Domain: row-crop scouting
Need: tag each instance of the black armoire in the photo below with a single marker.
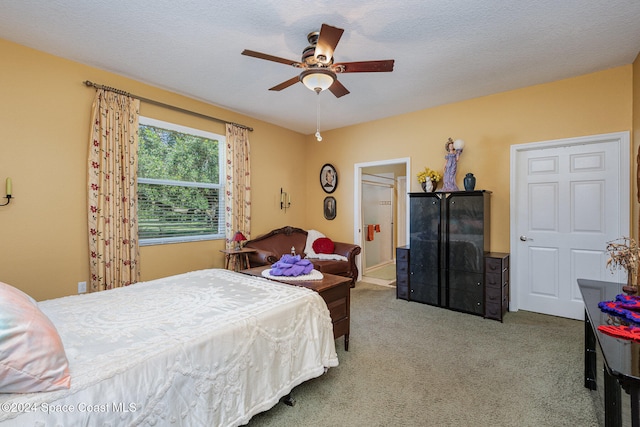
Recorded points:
(449, 236)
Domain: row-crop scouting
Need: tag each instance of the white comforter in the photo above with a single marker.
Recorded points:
(206, 348)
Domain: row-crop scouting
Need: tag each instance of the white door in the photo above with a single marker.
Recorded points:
(569, 197)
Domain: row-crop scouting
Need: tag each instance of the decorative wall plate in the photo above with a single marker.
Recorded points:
(328, 178)
(329, 207)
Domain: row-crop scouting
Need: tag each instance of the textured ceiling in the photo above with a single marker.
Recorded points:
(444, 50)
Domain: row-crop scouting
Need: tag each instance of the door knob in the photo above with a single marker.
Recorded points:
(525, 238)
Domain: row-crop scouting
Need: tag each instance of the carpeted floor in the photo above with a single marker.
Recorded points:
(411, 364)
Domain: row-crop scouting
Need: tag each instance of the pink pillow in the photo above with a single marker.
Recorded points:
(32, 357)
(323, 245)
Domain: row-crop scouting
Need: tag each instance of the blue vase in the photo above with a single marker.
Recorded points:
(469, 182)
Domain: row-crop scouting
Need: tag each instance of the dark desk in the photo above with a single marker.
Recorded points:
(621, 357)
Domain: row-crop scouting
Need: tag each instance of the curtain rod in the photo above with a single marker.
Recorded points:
(161, 104)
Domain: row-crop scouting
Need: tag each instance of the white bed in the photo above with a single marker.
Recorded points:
(206, 348)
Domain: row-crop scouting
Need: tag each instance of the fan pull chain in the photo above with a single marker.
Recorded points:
(318, 136)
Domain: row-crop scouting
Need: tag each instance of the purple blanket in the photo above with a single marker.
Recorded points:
(290, 265)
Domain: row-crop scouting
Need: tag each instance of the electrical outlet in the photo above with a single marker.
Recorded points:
(82, 287)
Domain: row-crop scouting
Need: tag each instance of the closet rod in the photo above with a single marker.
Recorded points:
(161, 104)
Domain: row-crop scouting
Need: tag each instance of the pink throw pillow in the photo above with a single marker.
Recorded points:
(323, 245)
(32, 357)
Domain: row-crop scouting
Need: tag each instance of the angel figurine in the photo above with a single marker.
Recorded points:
(454, 149)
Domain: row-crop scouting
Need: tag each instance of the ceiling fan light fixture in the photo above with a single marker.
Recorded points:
(318, 79)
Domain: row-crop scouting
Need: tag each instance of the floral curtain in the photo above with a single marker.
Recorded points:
(112, 182)
(238, 188)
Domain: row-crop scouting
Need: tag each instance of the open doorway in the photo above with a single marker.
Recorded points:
(380, 216)
(378, 219)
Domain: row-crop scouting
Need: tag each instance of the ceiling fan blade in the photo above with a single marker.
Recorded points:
(364, 66)
(260, 55)
(338, 89)
(286, 84)
(327, 42)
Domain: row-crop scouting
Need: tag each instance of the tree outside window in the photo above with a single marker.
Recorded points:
(180, 184)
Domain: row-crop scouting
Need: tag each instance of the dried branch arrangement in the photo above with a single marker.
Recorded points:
(623, 254)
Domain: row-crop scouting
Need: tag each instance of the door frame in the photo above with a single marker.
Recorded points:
(624, 168)
(358, 234)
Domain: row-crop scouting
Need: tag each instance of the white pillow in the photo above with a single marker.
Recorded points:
(312, 235)
(32, 357)
(328, 256)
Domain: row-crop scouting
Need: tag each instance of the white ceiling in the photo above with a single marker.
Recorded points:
(444, 50)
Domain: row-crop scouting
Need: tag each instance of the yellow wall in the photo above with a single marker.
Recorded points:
(44, 131)
(586, 105)
(44, 137)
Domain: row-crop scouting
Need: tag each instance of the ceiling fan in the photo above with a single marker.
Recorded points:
(319, 70)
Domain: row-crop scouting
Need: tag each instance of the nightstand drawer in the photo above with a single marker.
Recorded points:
(402, 255)
(402, 269)
(402, 289)
(338, 309)
(493, 311)
(336, 299)
(494, 280)
(494, 295)
(493, 265)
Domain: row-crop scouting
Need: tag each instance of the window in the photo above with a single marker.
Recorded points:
(180, 183)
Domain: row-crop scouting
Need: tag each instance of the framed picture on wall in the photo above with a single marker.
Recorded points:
(329, 207)
(328, 178)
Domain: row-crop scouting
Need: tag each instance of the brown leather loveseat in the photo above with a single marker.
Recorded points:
(271, 246)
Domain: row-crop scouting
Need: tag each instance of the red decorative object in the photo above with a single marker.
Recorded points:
(237, 238)
(323, 245)
(624, 332)
(625, 307)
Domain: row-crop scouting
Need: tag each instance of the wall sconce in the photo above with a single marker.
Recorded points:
(285, 200)
(9, 190)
